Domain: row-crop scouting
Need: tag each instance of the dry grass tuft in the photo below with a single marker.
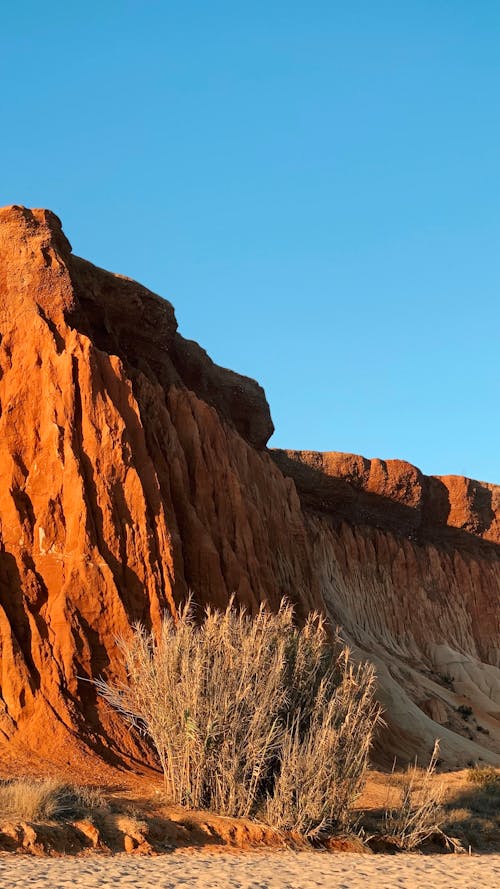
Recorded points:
(418, 814)
(485, 776)
(251, 716)
(47, 799)
(473, 811)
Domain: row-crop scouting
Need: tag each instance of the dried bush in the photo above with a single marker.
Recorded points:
(324, 758)
(46, 799)
(251, 716)
(418, 814)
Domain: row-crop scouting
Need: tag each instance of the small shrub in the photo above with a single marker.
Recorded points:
(46, 799)
(418, 814)
(465, 711)
(446, 679)
(251, 716)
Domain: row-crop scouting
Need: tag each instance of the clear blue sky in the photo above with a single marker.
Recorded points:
(314, 185)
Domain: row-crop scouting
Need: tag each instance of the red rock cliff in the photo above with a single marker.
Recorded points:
(133, 469)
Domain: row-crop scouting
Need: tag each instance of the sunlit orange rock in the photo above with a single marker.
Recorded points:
(134, 470)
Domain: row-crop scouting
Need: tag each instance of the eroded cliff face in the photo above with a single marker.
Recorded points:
(409, 566)
(133, 470)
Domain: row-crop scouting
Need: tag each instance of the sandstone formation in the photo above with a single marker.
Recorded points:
(409, 566)
(133, 470)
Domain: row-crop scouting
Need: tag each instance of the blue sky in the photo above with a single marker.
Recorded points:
(315, 186)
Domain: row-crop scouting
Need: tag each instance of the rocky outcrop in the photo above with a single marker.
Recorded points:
(134, 470)
(409, 566)
(395, 496)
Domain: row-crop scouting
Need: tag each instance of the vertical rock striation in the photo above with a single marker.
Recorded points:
(132, 470)
(409, 566)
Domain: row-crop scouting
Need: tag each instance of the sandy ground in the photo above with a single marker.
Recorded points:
(278, 870)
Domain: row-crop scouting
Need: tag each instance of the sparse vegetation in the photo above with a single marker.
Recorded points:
(46, 799)
(418, 813)
(251, 716)
(465, 711)
(446, 679)
(473, 812)
(486, 776)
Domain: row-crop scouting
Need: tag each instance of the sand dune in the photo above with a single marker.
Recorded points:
(284, 870)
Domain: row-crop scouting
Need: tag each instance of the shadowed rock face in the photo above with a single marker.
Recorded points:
(133, 470)
(396, 496)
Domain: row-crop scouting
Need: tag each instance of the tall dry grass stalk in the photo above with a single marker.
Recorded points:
(323, 759)
(418, 813)
(251, 716)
